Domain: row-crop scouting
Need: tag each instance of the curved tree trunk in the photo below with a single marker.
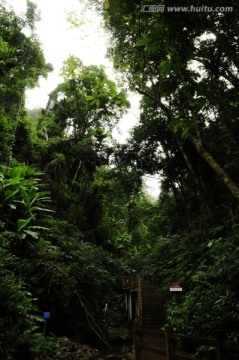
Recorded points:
(230, 184)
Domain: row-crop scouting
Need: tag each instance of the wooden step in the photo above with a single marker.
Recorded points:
(152, 307)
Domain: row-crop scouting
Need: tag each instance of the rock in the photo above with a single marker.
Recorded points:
(124, 350)
(76, 351)
(66, 357)
(86, 356)
(95, 353)
(130, 356)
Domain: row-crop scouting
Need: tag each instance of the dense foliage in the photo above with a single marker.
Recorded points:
(185, 67)
(75, 218)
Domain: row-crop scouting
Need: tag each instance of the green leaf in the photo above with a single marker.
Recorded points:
(38, 227)
(10, 193)
(26, 198)
(12, 206)
(186, 131)
(34, 234)
(143, 41)
(22, 223)
(90, 97)
(37, 208)
(165, 67)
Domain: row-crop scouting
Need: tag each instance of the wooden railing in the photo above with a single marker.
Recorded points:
(163, 345)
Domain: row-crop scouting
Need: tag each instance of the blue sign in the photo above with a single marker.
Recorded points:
(46, 315)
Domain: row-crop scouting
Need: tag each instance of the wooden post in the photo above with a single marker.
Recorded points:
(130, 314)
(219, 346)
(169, 349)
(137, 344)
(44, 330)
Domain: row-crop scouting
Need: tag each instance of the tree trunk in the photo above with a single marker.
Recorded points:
(230, 184)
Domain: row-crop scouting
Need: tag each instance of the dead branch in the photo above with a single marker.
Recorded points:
(92, 323)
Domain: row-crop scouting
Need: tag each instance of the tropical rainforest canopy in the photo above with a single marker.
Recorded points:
(75, 218)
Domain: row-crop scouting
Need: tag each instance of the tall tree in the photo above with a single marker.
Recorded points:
(78, 121)
(22, 63)
(186, 65)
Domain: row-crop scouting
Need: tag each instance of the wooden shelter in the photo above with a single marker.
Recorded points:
(144, 303)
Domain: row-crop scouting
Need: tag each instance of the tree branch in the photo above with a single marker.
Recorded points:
(92, 323)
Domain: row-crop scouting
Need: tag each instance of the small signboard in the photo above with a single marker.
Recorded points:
(46, 315)
(175, 287)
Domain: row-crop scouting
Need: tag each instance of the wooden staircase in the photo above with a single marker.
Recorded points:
(153, 314)
(149, 318)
